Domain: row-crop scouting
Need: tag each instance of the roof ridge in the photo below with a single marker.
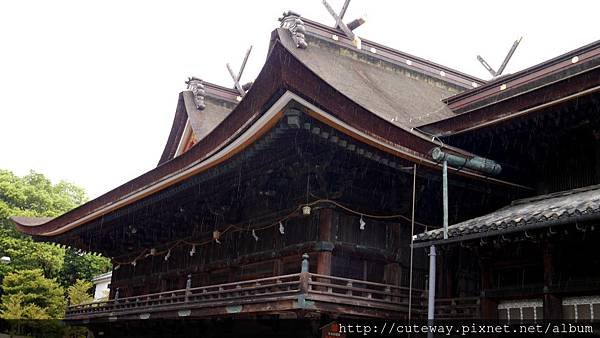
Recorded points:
(555, 194)
(509, 77)
(222, 92)
(405, 59)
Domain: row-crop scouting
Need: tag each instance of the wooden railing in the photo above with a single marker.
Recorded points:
(337, 287)
(301, 287)
(252, 290)
(333, 289)
(457, 308)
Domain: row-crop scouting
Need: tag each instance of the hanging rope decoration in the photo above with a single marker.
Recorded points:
(217, 235)
(151, 253)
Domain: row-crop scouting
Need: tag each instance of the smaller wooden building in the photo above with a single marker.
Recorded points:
(536, 257)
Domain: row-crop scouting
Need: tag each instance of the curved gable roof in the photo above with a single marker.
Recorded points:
(219, 103)
(285, 70)
(397, 94)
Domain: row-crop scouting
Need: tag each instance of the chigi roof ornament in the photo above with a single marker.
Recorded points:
(339, 23)
(292, 22)
(195, 85)
(236, 78)
(497, 73)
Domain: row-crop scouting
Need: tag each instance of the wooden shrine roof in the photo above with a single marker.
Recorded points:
(396, 93)
(370, 94)
(219, 102)
(549, 83)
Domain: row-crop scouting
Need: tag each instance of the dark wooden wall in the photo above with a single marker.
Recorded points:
(379, 253)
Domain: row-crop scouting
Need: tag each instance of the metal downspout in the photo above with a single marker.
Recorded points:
(431, 299)
(432, 252)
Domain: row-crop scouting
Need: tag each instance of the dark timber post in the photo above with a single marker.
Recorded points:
(324, 254)
(552, 303)
(488, 306)
(277, 267)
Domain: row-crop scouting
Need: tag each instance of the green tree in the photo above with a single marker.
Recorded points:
(14, 307)
(82, 266)
(32, 195)
(35, 289)
(27, 254)
(35, 195)
(21, 314)
(29, 282)
(78, 293)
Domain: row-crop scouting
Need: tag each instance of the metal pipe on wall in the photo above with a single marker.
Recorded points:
(431, 297)
(476, 163)
(445, 198)
(412, 238)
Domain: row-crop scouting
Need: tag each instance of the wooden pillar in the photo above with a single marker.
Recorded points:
(489, 307)
(203, 278)
(277, 267)
(450, 262)
(324, 263)
(552, 302)
(163, 284)
(325, 235)
(392, 274)
(446, 273)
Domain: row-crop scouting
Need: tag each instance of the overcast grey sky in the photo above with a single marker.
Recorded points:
(88, 89)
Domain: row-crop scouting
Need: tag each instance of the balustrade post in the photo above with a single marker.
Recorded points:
(304, 276)
(117, 295)
(188, 286)
(388, 293)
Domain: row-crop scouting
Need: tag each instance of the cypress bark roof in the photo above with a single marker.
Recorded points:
(394, 92)
(377, 97)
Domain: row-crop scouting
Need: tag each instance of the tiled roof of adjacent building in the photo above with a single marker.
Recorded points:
(523, 214)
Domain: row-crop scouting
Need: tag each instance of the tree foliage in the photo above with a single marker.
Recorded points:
(32, 195)
(32, 288)
(34, 282)
(35, 195)
(14, 307)
(27, 254)
(79, 292)
(82, 266)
